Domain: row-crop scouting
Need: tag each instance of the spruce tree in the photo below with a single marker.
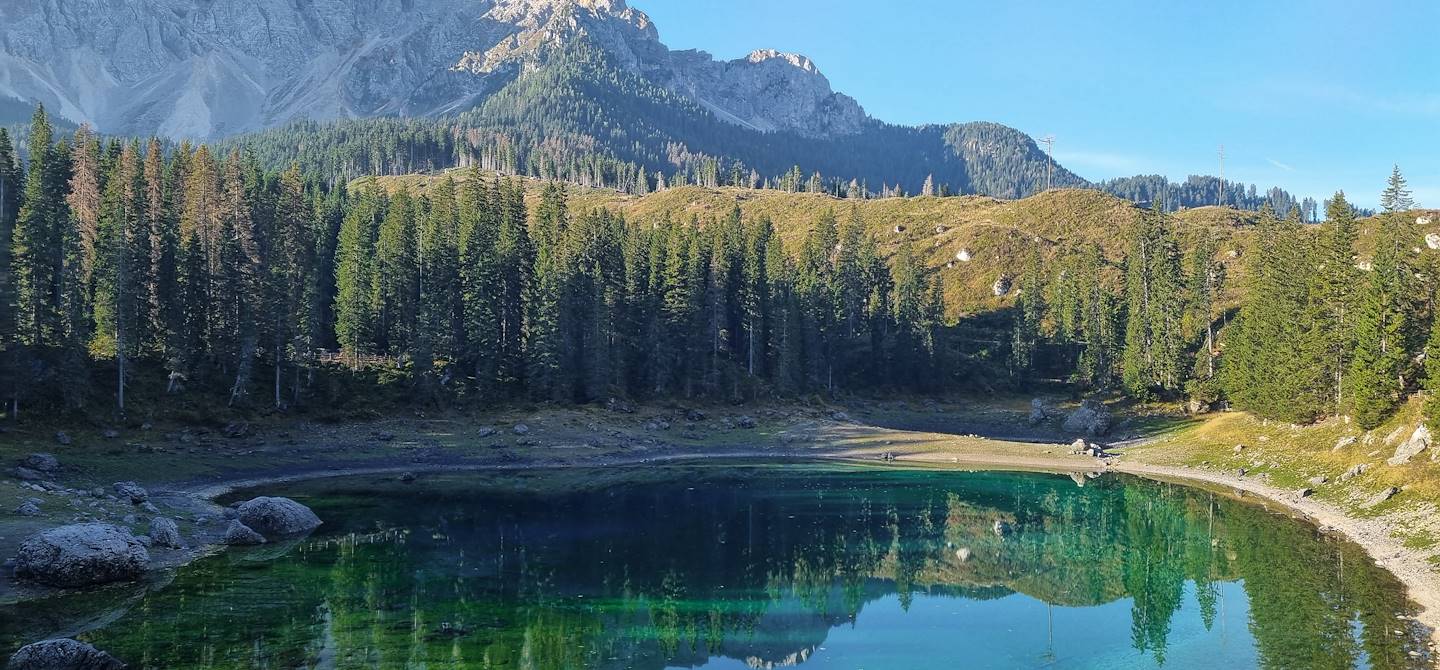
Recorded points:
(543, 328)
(287, 277)
(1396, 196)
(355, 273)
(1383, 321)
(1334, 284)
(1154, 342)
(1029, 313)
(10, 362)
(164, 312)
(118, 303)
(480, 276)
(1265, 370)
(397, 277)
(37, 251)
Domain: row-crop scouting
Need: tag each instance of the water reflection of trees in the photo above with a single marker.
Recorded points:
(758, 566)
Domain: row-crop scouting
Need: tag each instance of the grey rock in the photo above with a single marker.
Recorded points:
(164, 533)
(520, 429)
(1091, 419)
(149, 507)
(1039, 412)
(1002, 528)
(63, 439)
(241, 535)
(746, 422)
(1344, 442)
(28, 508)
(1417, 444)
(81, 555)
(1353, 472)
(62, 654)
(1381, 498)
(1304, 493)
(236, 430)
(26, 474)
(484, 432)
(277, 517)
(131, 491)
(42, 462)
(110, 434)
(694, 416)
(839, 416)
(1319, 480)
(1002, 286)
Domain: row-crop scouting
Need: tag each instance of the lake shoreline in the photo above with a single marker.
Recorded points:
(1408, 566)
(837, 440)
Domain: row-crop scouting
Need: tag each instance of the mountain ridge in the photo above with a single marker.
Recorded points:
(180, 69)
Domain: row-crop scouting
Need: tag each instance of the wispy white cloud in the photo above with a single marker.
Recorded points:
(1280, 165)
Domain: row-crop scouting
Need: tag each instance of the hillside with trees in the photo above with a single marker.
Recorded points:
(137, 273)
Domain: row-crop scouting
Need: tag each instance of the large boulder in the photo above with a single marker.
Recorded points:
(1090, 419)
(62, 654)
(164, 533)
(1417, 444)
(82, 555)
(277, 517)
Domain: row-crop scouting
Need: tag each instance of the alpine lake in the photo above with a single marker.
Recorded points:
(748, 565)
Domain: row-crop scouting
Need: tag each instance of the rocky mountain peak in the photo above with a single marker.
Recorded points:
(208, 68)
(759, 56)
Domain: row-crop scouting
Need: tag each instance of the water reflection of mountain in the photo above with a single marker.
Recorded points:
(757, 565)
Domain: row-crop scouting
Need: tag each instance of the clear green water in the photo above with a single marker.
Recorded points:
(759, 567)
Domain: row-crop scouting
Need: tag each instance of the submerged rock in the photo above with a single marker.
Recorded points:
(274, 517)
(164, 533)
(62, 654)
(241, 535)
(81, 555)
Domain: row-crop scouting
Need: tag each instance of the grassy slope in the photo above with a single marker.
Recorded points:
(1287, 456)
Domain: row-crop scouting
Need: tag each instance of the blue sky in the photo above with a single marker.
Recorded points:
(1312, 96)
